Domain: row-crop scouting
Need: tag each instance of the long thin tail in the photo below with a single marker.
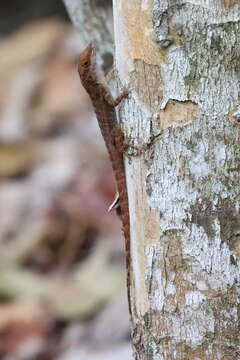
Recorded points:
(119, 171)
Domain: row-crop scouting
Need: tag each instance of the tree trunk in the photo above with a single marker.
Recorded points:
(181, 62)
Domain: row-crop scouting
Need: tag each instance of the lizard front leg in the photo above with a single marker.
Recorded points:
(115, 102)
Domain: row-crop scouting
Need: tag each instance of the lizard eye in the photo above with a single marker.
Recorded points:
(85, 63)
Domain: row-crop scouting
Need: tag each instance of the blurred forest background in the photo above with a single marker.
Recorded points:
(62, 267)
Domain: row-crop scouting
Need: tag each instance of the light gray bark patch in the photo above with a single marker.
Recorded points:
(193, 163)
(215, 56)
(193, 181)
(203, 64)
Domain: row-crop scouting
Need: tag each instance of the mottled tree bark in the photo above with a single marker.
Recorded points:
(181, 61)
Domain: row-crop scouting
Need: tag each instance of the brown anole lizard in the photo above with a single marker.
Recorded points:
(104, 106)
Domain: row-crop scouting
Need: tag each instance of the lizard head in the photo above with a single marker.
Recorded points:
(87, 60)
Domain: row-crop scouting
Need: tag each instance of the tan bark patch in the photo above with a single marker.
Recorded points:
(229, 3)
(236, 247)
(137, 22)
(233, 115)
(138, 220)
(152, 228)
(178, 113)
